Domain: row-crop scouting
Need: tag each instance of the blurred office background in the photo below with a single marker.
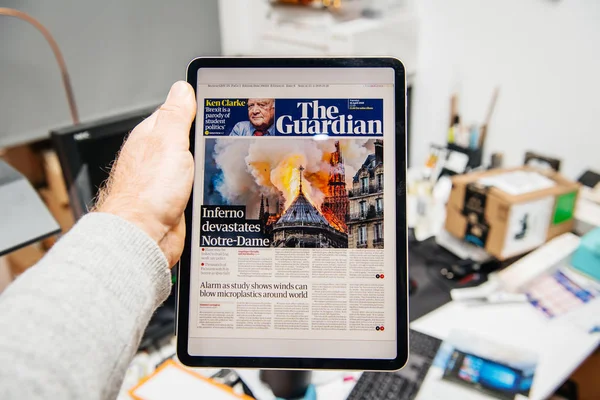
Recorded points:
(543, 54)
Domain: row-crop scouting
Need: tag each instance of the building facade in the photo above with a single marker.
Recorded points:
(365, 218)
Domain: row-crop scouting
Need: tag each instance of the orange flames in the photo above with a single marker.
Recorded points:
(284, 177)
(334, 221)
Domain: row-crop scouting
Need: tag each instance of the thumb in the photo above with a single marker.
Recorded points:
(175, 116)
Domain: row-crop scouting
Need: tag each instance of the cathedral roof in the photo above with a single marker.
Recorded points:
(302, 212)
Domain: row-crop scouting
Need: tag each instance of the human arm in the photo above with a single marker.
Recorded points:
(70, 325)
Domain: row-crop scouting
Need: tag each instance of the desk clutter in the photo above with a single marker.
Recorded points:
(469, 139)
(551, 279)
(540, 303)
(537, 284)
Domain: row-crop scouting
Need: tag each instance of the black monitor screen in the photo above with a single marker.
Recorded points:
(98, 155)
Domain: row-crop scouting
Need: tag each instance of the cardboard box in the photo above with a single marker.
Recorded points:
(510, 212)
(54, 177)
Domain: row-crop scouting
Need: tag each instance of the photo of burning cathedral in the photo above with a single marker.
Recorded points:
(303, 225)
(303, 202)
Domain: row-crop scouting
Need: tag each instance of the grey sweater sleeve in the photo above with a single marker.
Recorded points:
(70, 325)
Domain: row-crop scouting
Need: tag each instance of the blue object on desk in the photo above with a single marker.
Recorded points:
(586, 258)
(474, 138)
(311, 394)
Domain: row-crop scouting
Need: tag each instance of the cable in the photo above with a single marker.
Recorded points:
(57, 54)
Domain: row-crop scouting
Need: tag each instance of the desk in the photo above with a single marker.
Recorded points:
(561, 347)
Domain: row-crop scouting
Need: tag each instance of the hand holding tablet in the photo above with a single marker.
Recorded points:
(295, 253)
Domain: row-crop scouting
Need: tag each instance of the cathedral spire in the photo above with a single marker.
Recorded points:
(261, 213)
(300, 171)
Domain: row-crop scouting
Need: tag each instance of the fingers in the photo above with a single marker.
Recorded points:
(175, 116)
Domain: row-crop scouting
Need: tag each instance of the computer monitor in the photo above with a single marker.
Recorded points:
(86, 152)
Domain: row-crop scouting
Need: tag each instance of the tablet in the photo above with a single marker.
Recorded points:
(296, 246)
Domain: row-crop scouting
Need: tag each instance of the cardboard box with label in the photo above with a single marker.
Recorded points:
(509, 212)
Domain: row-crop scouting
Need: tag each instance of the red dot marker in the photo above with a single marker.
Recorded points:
(203, 249)
(202, 264)
(381, 328)
(381, 276)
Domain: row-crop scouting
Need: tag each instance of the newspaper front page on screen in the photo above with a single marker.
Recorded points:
(291, 221)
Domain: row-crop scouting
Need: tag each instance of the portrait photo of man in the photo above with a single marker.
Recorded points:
(261, 115)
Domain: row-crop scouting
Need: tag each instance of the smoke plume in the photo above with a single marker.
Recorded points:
(251, 168)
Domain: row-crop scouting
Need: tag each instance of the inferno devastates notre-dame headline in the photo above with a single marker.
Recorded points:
(219, 225)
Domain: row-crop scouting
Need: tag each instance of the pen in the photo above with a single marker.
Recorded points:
(500, 298)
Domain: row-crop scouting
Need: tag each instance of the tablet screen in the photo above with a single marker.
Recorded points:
(293, 214)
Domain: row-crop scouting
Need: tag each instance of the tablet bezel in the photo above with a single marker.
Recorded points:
(183, 281)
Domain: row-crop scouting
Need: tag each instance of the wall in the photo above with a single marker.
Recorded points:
(239, 19)
(545, 56)
(122, 55)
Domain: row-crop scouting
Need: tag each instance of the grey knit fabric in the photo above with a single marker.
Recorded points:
(70, 325)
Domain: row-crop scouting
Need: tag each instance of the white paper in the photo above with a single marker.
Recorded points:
(457, 162)
(174, 383)
(518, 182)
(539, 262)
(586, 317)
